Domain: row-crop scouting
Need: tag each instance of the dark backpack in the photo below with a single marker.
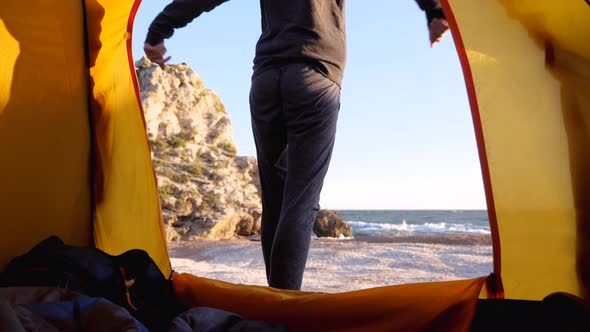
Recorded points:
(131, 280)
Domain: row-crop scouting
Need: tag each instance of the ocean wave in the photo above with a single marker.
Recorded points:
(362, 228)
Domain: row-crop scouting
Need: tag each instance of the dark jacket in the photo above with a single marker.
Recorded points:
(292, 30)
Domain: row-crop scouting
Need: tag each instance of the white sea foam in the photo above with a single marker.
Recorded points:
(380, 229)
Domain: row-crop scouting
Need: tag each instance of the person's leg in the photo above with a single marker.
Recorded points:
(270, 139)
(310, 106)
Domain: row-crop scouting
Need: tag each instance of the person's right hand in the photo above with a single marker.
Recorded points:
(438, 28)
(156, 53)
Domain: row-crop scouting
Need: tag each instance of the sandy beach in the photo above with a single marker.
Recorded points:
(345, 265)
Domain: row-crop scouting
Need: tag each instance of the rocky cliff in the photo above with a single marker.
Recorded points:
(206, 189)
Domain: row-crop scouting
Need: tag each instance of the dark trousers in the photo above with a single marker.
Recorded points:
(294, 111)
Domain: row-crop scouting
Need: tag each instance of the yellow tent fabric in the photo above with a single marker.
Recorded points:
(435, 306)
(44, 126)
(527, 65)
(59, 174)
(76, 161)
(127, 207)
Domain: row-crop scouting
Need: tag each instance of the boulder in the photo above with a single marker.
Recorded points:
(329, 224)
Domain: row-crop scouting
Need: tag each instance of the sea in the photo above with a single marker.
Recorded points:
(366, 223)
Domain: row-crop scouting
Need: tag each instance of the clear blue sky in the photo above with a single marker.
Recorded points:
(405, 136)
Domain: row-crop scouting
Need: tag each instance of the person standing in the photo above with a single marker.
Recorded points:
(294, 103)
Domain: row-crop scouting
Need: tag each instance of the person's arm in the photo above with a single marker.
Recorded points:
(176, 15)
(432, 8)
(435, 18)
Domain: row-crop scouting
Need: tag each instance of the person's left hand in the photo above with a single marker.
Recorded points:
(438, 29)
(156, 53)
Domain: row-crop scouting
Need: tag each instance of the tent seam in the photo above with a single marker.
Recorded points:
(90, 122)
(494, 282)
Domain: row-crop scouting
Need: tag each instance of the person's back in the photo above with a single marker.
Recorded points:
(303, 30)
(291, 30)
